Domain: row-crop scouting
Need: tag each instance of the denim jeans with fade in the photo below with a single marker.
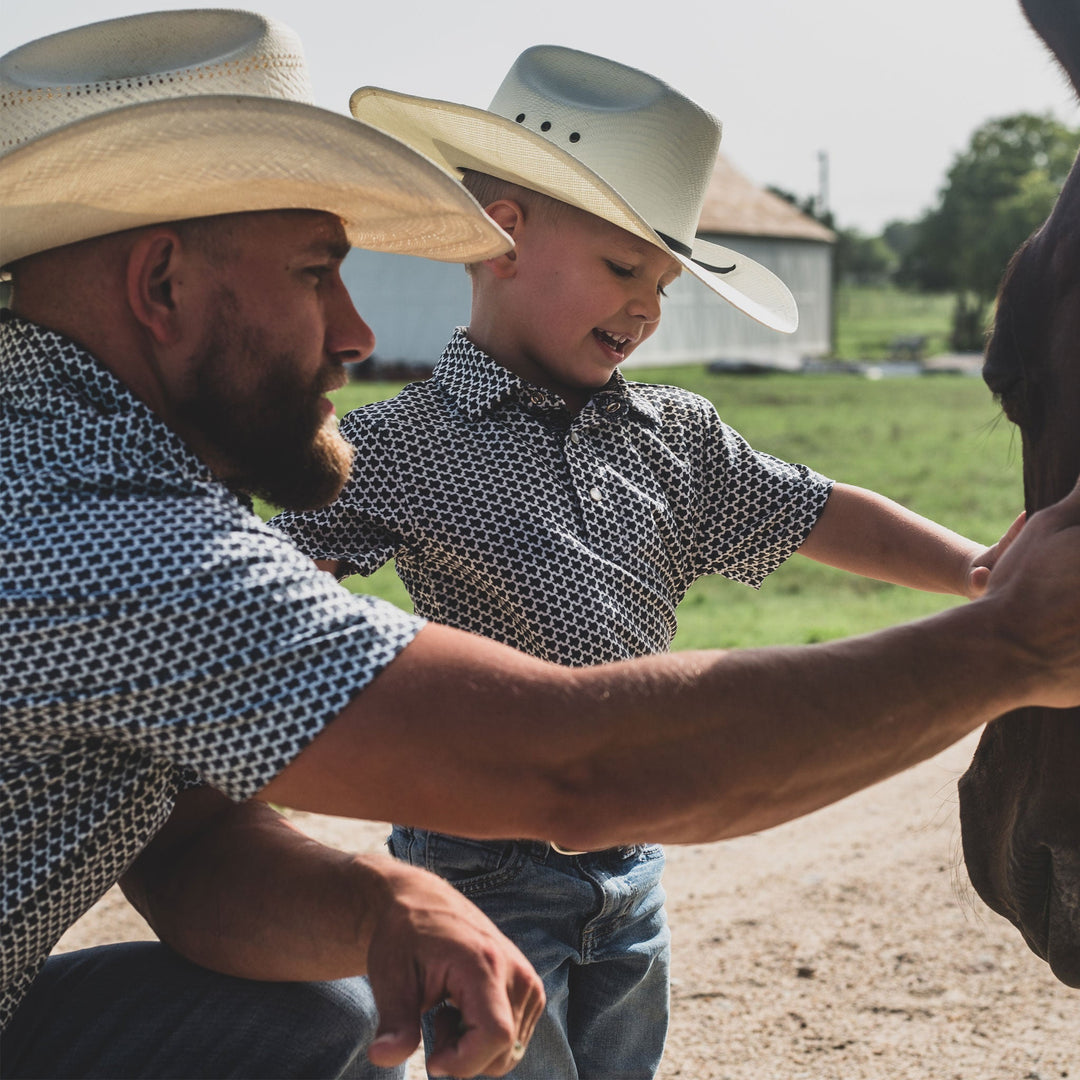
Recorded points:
(594, 928)
(139, 1010)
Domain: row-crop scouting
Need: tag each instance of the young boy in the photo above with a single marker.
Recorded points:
(531, 494)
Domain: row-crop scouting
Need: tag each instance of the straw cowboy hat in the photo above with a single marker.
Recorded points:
(601, 136)
(183, 114)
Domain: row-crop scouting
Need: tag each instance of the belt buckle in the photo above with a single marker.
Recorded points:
(564, 851)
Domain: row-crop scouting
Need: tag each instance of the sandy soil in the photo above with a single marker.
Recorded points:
(844, 946)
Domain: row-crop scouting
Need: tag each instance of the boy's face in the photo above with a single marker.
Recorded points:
(585, 294)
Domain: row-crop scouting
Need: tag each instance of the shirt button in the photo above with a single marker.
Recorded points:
(594, 494)
(536, 398)
(575, 438)
(612, 407)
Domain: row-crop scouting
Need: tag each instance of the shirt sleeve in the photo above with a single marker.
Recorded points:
(360, 528)
(199, 639)
(754, 510)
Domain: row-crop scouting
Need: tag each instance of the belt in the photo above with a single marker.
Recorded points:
(622, 849)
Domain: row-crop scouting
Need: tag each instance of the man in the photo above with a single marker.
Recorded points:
(169, 665)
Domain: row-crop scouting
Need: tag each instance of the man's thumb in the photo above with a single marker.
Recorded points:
(395, 1039)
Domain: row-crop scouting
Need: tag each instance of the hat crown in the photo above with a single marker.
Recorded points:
(652, 144)
(78, 73)
(172, 115)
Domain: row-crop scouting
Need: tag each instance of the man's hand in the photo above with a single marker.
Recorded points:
(239, 889)
(1038, 580)
(431, 945)
(978, 576)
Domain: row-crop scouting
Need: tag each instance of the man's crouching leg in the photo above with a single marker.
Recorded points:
(139, 1010)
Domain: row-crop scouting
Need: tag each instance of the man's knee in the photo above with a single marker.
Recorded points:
(341, 1018)
(140, 1010)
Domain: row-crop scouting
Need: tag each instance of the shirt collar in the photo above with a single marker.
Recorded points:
(39, 359)
(479, 386)
(42, 367)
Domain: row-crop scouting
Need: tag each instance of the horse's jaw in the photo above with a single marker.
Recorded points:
(1021, 832)
(1062, 945)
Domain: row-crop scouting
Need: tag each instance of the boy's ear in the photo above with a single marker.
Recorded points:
(510, 217)
(153, 282)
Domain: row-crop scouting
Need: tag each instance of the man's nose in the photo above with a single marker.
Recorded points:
(348, 337)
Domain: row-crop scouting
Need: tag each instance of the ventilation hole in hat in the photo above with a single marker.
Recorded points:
(575, 136)
(519, 118)
(546, 125)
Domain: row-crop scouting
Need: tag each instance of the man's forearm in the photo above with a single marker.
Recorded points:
(467, 736)
(687, 747)
(789, 730)
(240, 890)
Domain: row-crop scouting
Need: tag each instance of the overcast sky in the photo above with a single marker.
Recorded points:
(892, 92)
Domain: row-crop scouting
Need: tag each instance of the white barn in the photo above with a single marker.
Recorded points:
(413, 304)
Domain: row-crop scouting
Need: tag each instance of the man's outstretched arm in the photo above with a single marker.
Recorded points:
(691, 747)
(240, 890)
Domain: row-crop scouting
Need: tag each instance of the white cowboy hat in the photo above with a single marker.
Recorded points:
(601, 136)
(184, 114)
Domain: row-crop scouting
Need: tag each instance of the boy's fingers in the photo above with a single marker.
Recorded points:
(978, 579)
(1012, 532)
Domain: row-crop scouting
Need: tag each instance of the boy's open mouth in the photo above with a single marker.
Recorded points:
(615, 342)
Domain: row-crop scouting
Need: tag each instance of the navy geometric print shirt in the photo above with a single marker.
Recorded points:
(570, 538)
(154, 634)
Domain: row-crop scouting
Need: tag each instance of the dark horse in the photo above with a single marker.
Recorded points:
(1020, 798)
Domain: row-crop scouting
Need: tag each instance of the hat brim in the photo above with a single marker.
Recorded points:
(462, 137)
(205, 155)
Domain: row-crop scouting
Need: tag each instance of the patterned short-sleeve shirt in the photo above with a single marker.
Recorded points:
(154, 634)
(571, 538)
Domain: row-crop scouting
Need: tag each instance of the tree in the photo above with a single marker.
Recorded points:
(857, 258)
(997, 192)
(862, 259)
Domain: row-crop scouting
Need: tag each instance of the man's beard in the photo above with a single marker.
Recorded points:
(273, 437)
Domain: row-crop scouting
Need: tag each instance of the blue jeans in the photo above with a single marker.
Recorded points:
(594, 928)
(139, 1010)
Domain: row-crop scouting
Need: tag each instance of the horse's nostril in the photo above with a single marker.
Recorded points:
(999, 382)
(1015, 397)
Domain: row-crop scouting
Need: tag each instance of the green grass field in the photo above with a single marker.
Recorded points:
(870, 318)
(936, 444)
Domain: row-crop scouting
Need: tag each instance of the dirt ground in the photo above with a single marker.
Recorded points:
(844, 946)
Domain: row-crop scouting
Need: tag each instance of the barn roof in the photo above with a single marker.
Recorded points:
(735, 205)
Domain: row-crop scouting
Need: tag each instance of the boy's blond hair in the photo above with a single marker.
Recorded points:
(487, 189)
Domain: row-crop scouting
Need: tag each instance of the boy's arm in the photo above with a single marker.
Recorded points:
(868, 534)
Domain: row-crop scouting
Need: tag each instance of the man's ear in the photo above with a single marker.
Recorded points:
(154, 283)
(510, 217)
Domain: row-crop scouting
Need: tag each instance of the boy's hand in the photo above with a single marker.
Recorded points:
(978, 575)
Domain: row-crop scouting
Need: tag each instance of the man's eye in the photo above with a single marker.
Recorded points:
(620, 271)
